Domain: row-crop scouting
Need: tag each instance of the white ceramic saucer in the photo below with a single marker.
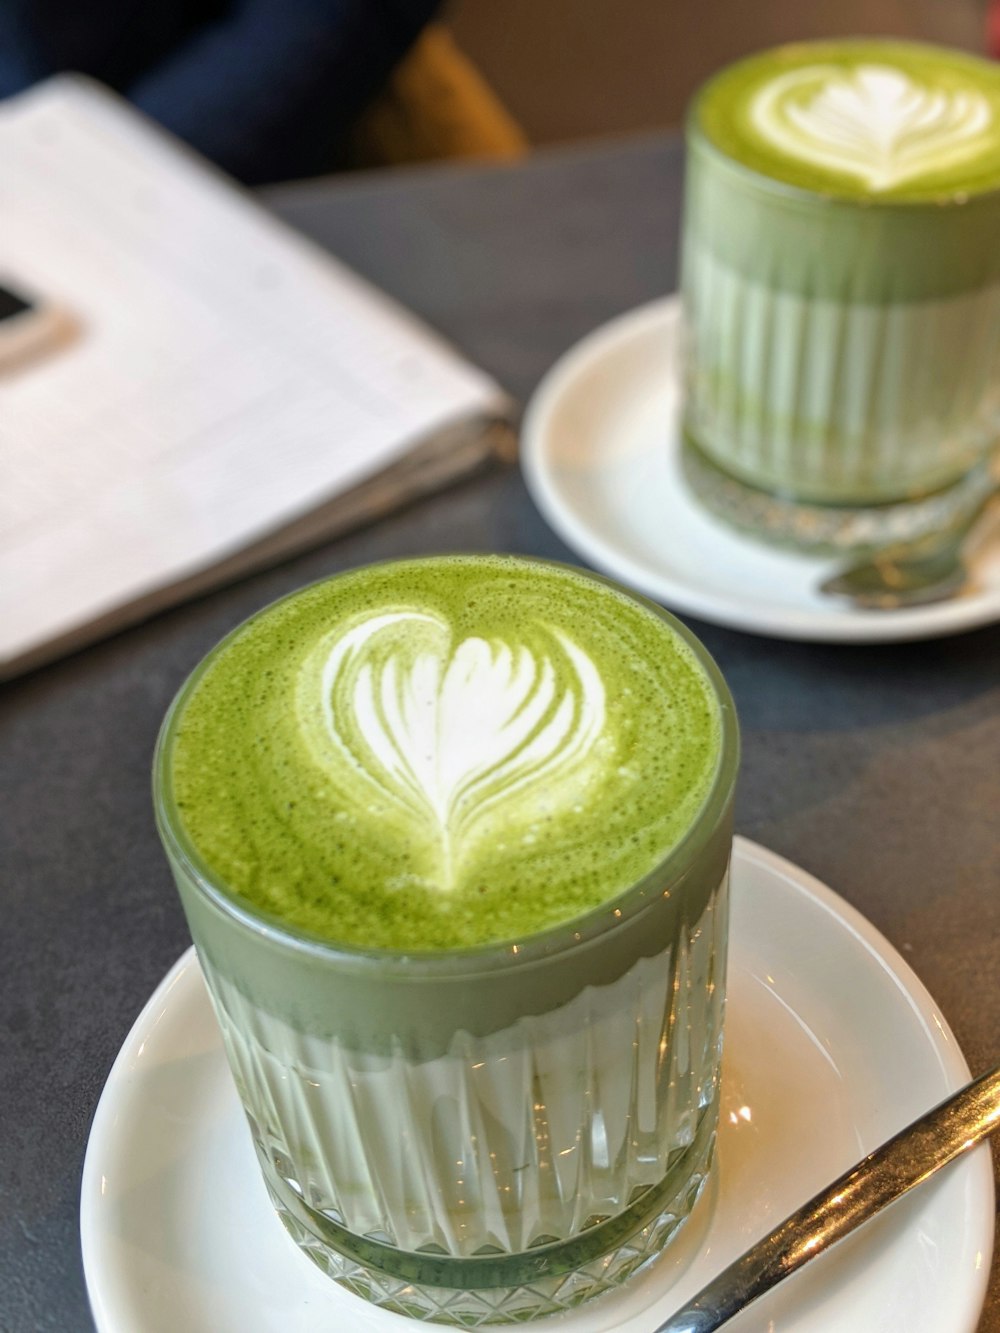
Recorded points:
(832, 1044)
(600, 455)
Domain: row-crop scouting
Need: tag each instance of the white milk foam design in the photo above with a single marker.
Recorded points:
(873, 122)
(450, 732)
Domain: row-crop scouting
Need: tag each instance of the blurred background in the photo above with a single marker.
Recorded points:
(574, 68)
(278, 89)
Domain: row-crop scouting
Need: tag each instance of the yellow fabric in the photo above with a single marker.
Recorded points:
(437, 105)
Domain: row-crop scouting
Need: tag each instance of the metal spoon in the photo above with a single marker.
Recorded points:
(914, 574)
(907, 1159)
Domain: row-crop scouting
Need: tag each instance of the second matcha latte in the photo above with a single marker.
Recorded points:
(841, 288)
(443, 753)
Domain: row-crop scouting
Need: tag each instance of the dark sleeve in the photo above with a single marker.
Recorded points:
(21, 61)
(268, 91)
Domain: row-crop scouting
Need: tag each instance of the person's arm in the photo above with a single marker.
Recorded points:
(267, 91)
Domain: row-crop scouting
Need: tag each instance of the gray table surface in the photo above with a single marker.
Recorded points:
(875, 768)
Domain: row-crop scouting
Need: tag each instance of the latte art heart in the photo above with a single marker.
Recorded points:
(873, 122)
(450, 733)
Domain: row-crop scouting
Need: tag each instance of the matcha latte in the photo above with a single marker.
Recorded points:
(841, 275)
(452, 836)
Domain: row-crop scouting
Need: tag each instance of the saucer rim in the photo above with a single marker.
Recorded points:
(840, 623)
(99, 1268)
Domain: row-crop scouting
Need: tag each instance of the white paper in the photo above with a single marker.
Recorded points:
(226, 377)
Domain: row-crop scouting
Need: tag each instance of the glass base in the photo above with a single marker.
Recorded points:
(505, 1288)
(821, 529)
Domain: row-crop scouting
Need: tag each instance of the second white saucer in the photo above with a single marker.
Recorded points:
(600, 454)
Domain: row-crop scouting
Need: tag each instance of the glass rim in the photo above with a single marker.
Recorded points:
(611, 915)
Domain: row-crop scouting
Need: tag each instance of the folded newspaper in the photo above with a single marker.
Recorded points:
(189, 390)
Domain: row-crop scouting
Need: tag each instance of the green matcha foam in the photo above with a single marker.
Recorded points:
(444, 752)
(882, 120)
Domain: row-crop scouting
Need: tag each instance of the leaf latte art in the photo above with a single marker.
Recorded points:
(448, 732)
(873, 122)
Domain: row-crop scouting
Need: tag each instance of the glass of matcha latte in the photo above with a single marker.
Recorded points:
(841, 291)
(452, 836)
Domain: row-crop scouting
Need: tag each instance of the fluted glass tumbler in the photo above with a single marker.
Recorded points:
(842, 341)
(485, 1135)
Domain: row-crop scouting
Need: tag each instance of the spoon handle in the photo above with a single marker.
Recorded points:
(907, 1159)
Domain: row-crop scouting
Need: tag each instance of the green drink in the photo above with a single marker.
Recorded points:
(452, 836)
(841, 285)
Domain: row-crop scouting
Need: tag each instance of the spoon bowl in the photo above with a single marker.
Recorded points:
(916, 574)
(888, 582)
